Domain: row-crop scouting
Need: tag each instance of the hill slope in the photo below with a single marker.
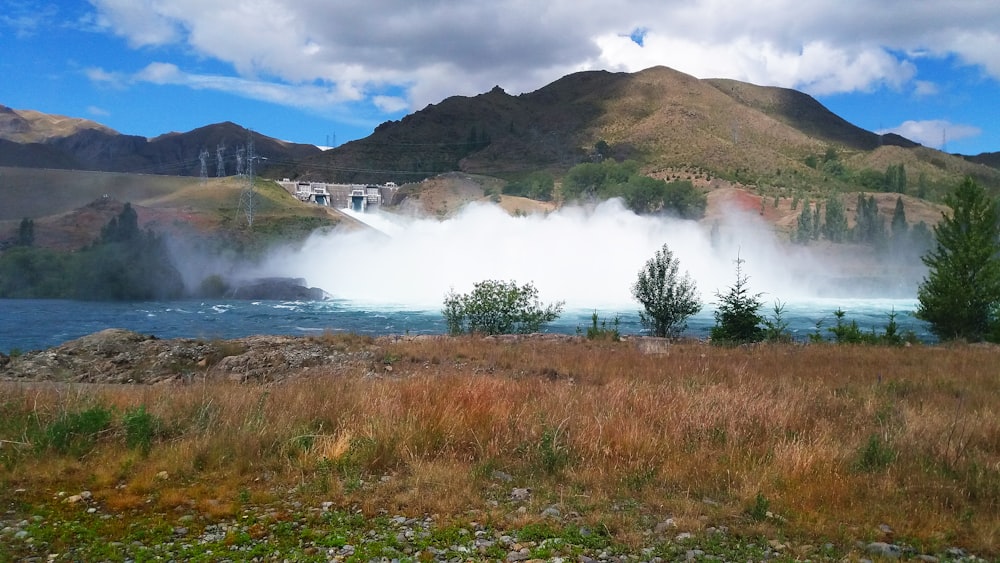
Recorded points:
(667, 120)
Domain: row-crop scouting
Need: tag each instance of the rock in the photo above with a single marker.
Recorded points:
(884, 549)
(683, 536)
(520, 494)
(73, 499)
(501, 476)
(927, 558)
(662, 527)
(693, 554)
(551, 512)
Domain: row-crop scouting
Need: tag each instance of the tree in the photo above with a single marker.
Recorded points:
(738, 319)
(26, 232)
(960, 297)
(667, 299)
(805, 227)
(899, 226)
(498, 307)
(835, 226)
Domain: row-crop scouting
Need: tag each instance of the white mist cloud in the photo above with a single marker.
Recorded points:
(589, 257)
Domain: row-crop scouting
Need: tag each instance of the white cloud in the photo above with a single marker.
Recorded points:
(99, 112)
(924, 88)
(390, 104)
(359, 48)
(933, 132)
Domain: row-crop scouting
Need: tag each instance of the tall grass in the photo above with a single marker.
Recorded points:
(834, 440)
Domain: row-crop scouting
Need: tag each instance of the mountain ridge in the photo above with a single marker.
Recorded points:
(32, 139)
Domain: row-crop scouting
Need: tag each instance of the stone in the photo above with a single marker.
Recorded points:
(520, 494)
(551, 512)
(884, 549)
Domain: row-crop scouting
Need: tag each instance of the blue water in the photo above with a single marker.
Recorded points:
(31, 324)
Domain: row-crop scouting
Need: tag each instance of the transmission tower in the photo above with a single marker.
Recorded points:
(239, 160)
(203, 157)
(246, 196)
(220, 165)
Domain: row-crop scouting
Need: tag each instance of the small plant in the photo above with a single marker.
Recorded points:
(776, 327)
(845, 333)
(875, 455)
(140, 428)
(600, 331)
(758, 511)
(553, 455)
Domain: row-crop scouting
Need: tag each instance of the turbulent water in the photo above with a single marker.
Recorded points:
(37, 324)
(392, 279)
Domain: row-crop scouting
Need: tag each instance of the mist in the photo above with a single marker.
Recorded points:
(588, 257)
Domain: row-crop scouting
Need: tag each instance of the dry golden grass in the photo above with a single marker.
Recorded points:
(838, 439)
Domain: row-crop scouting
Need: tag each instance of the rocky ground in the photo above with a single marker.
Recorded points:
(75, 526)
(121, 356)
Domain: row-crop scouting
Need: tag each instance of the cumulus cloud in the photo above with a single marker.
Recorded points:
(933, 132)
(358, 49)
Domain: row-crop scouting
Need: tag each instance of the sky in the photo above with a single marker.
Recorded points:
(326, 72)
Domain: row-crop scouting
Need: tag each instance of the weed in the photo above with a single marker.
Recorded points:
(758, 511)
(553, 455)
(875, 455)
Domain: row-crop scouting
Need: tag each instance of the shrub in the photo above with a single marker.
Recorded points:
(76, 433)
(141, 428)
(498, 307)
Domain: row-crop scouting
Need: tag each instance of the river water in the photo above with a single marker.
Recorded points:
(31, 324)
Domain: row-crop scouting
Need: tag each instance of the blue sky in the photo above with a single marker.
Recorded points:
(313, 71)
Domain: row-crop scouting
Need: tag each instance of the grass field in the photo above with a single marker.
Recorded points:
(810, 444)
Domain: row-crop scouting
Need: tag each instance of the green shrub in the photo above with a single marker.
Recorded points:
(76, 433)
(498, 307)
(141, 428)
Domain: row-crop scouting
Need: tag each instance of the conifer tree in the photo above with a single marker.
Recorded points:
(960, 297)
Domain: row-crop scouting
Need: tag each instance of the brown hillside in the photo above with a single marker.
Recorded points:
(669, 121)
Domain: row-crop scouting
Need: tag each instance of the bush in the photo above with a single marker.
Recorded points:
(667, 299)
(140, 428)
(76, 433)
(498, 307)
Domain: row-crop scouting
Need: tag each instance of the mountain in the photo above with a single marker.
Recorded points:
(987, 158)
(674, 124)
(33, 139)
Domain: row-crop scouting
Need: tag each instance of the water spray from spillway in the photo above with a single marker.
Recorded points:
(588, 257)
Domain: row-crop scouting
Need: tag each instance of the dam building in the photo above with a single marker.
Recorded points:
(357, 197)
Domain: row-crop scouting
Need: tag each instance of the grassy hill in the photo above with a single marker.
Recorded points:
(70, 207)
(673, 123)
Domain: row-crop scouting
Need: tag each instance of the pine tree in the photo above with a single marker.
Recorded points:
(738, 319)
(960, 297)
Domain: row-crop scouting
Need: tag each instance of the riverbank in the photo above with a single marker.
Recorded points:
(343, 446)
